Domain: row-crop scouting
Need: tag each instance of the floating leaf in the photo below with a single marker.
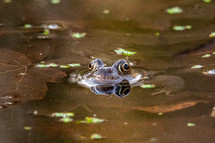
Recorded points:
(43, 65)
(46, 32)
(28, 26)
(64, 66)
(181, 28)
(55, 1)
(157, 34)
(62, 114)
(78, 35)
(207, 1)
(212, 34)
(124, 52)
(148, 86)
(206, 56)
(91, 120)
(95, 137)
(174, 10)
(27, 128)
(20, 82)
(74, 65)
(197, 67)
(66, 120)
(191, 125)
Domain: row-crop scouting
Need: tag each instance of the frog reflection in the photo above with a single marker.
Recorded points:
(107, 80)
(121, 89)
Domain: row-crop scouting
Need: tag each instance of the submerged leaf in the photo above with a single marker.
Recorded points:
(174, 10)
(106, 11)
(27, 128)
(55, 1)
(7, 1)
(207, 1)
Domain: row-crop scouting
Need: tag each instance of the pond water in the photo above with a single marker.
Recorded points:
(40, 32)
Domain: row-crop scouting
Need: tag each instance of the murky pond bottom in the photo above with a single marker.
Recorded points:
(43, 42)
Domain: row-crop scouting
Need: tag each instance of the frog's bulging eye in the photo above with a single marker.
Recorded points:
(90, 66)
(125, 68)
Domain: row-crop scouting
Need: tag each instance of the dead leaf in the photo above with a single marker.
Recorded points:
(19, 82)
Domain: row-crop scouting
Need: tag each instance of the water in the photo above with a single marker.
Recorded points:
(131, 25)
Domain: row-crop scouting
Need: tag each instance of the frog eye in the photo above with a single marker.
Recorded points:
(124, 68)
(90, 66)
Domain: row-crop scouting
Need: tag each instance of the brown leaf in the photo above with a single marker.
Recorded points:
(21, 83)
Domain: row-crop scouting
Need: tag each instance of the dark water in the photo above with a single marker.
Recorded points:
(128, 24)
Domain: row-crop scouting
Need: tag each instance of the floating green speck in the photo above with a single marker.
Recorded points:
(157, 34)
(27, 128)
(207, 1)
(197, 67)
(28, 26)
(46, 32)
(64, 66)
(74, 65)
(91, 120)
(160, 114)
(78, 35)
(55, 1)
(212, 34)
(181, 28)
(148, 86)
(61, 114)
(206, 56)
(95, 137)
(41, 66)
(53, 65)
(66, 119)
(174, 10)
(191, 125)
(124, 52)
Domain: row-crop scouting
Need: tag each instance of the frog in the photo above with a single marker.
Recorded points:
(120, 77)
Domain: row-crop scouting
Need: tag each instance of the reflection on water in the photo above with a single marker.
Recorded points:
(178, 46)
(121, 89)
